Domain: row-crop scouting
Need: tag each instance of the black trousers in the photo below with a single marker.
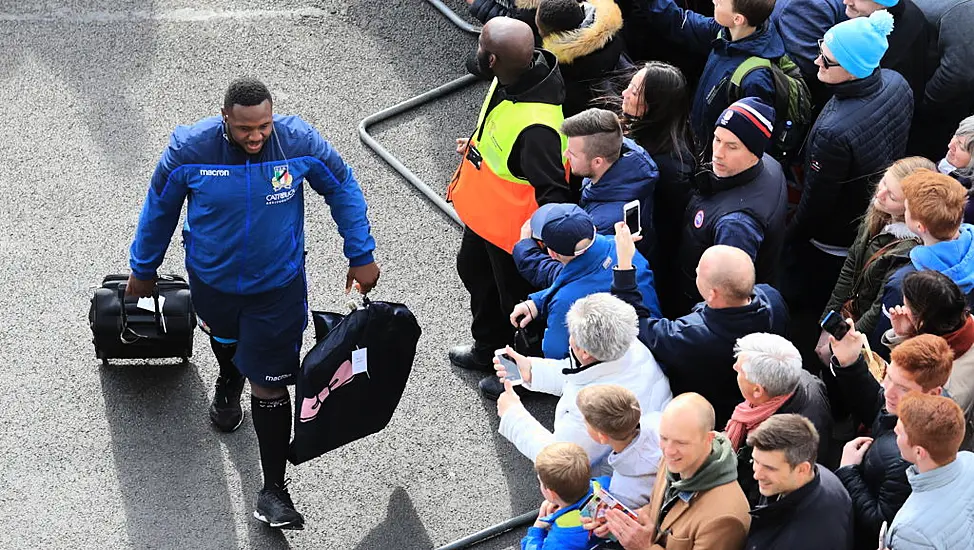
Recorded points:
(495, 287)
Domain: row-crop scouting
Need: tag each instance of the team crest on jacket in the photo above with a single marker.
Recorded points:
(698, 219)
(282, 178)
(281, 182)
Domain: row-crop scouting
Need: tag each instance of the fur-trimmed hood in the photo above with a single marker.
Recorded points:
(603, 20)
(527, 4)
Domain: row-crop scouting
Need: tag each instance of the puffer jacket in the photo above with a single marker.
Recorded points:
(940, 513)
(811, 401)
(878, 486)
(632, 177)
(861, 131)
(636, 370)
(588, 55)
(705, 36)
(864, 284)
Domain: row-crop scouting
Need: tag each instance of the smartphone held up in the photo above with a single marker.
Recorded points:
(835, 325)
(631, 214)
(511, 373)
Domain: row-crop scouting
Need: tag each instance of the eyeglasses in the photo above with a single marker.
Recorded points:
(826, 62)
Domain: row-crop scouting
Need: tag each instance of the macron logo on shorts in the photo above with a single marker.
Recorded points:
(222, 173)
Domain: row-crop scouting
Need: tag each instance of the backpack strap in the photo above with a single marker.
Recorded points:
(746, 67)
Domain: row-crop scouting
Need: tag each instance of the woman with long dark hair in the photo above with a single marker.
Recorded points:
(934, 304)
(656, 111)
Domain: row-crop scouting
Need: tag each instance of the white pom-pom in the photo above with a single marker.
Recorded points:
(882, 21)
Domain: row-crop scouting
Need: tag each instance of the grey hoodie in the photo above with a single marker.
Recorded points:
(634, 470)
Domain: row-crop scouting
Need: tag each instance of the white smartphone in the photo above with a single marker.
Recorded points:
(631, 213)
(513, 374)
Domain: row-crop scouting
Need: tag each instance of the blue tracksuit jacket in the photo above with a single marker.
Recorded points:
(587, 274)
(244, 229)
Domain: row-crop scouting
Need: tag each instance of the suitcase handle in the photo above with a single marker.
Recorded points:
(157, 315)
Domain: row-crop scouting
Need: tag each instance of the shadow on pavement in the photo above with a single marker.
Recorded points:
(522, 481)
(167, 458)
(402, 523)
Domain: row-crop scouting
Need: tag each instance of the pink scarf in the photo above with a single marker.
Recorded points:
(746, 417)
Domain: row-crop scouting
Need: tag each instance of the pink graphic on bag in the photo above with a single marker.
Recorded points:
(311, 405)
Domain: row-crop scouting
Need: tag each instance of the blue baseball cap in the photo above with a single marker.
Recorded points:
(561, 226)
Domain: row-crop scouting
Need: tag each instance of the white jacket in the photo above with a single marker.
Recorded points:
(637, 370)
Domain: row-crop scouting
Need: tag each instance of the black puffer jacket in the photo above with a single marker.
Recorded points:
(812, 402)
(878, 486)
(589, 55)
(817, 516)
(861, 131)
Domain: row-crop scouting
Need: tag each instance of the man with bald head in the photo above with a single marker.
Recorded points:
(741, 200)
(512, 163)
(696, 351)
(696, 501)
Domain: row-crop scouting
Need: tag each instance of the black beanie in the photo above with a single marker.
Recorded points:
(560, 15)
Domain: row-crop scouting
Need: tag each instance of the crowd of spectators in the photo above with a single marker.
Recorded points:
(700, 380)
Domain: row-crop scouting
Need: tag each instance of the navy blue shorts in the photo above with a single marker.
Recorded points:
(267, 327)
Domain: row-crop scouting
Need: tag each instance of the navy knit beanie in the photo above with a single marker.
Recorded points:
(752, 121)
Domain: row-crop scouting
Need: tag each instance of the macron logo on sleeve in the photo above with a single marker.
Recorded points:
(210, 172)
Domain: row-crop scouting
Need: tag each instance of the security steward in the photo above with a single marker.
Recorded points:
(513, 162)
(242, 177)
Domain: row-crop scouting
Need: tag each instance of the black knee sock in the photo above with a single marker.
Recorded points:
(224, 357)
(272, 422)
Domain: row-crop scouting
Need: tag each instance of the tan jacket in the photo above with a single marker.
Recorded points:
(716, 519)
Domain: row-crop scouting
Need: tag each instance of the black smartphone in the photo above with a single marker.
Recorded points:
(835, 325)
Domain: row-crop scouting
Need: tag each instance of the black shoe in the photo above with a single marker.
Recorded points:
(470, 357)
(275, 508)
(491, 387)
(225, 411)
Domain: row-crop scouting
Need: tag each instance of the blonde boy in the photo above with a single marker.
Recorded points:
(563, 470)
(611, 414)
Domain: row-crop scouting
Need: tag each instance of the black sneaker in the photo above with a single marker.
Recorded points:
(470, 357)
(491, 387)
(225, 411)
(275, 508)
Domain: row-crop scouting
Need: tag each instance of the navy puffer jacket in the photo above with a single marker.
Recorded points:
(861, 131)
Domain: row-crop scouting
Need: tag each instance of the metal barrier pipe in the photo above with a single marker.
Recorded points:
(397, 165)
(491, 532)
(453, 17)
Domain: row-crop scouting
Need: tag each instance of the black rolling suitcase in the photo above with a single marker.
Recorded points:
(122, 330)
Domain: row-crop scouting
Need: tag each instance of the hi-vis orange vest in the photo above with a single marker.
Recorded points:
(490, 200)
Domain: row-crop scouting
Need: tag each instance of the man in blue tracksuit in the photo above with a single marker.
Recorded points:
(569, 235)
(242, 177)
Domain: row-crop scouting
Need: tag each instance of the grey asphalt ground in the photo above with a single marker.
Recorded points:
(124, 457)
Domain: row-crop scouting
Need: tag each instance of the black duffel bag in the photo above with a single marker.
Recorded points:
(122, 330)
